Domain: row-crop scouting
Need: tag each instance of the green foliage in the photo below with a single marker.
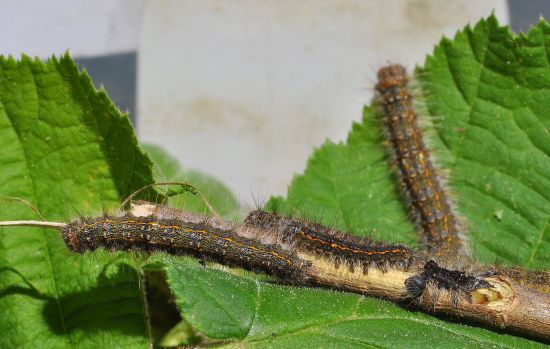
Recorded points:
(67, 149)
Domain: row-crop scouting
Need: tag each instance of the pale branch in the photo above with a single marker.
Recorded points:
(40, 224)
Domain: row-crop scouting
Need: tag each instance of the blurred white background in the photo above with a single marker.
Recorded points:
(242, 90)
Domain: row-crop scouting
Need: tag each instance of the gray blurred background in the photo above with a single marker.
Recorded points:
(244, 90)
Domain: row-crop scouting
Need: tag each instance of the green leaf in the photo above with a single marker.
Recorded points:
(69, 151)
(215, 192)
(489, 98)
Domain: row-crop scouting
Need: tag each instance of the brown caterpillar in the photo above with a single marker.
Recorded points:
(428, 201)
(179, 237)
(342, 248)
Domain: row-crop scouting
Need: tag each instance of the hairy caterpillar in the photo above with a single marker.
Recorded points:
(343, 248)
(180, 237)
(428, 202)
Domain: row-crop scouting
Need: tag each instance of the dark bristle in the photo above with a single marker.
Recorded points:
(415, 285)
(458, 283)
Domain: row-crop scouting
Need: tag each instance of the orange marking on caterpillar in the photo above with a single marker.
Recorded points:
(325, 242)
(346, 248)
(178, 237)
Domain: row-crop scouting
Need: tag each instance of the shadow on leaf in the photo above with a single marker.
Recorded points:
(114, 305)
